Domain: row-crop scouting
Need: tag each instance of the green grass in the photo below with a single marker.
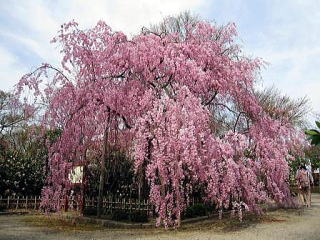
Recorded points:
(59, 223)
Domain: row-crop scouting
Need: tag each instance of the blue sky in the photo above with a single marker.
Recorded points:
(285, 33)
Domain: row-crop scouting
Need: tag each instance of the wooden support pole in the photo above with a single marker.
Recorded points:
(17, 203)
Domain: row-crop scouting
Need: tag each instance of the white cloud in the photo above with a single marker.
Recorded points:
(125, 15)
(289, 41)
(9, 69)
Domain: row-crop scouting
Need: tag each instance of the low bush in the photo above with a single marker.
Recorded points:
(198, 210)
(119, 215)
(138, 216)
(90, 211)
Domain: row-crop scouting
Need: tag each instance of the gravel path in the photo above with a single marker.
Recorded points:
(278, 225)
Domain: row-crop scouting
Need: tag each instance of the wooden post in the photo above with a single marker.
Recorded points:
(17, 203)
(139, 206)
(136, 204)
(148, 209)
(82, 186)
(26, 202)
(150, 213)
(139, 191)
(35, 202)
(110, 204)
(66, 205)
(8, 202)
(81, 200)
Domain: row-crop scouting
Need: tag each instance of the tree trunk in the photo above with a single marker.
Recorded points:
(103, 171)
(83, 185)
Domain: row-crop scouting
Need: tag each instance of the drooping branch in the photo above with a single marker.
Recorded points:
(211, 99)
(44, 67)
(228, 108)
(237, 120)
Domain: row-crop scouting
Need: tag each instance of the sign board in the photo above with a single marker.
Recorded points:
(76, 174)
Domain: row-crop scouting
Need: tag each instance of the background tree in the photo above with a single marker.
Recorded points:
(313, 154)
(23, 163)
(314, 135)
(11, 112)
(284, 108)
(22, 154)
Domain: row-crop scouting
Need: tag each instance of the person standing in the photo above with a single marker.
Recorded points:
(304, 181)
(309, 169)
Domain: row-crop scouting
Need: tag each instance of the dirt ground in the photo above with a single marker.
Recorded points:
(279, 225)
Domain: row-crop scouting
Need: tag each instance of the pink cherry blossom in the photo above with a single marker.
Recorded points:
(182, 107)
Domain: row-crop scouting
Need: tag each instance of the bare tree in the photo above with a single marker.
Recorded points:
(283, 107)
(174, 24)
(10, 114)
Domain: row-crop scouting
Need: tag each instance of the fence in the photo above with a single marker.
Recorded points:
(27, 203)
(113, 204)
(109, 204)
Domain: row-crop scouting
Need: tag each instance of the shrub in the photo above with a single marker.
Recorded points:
(198, 210)
(138, 216)
(210, 208)
(119, 215)
(90, 211)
